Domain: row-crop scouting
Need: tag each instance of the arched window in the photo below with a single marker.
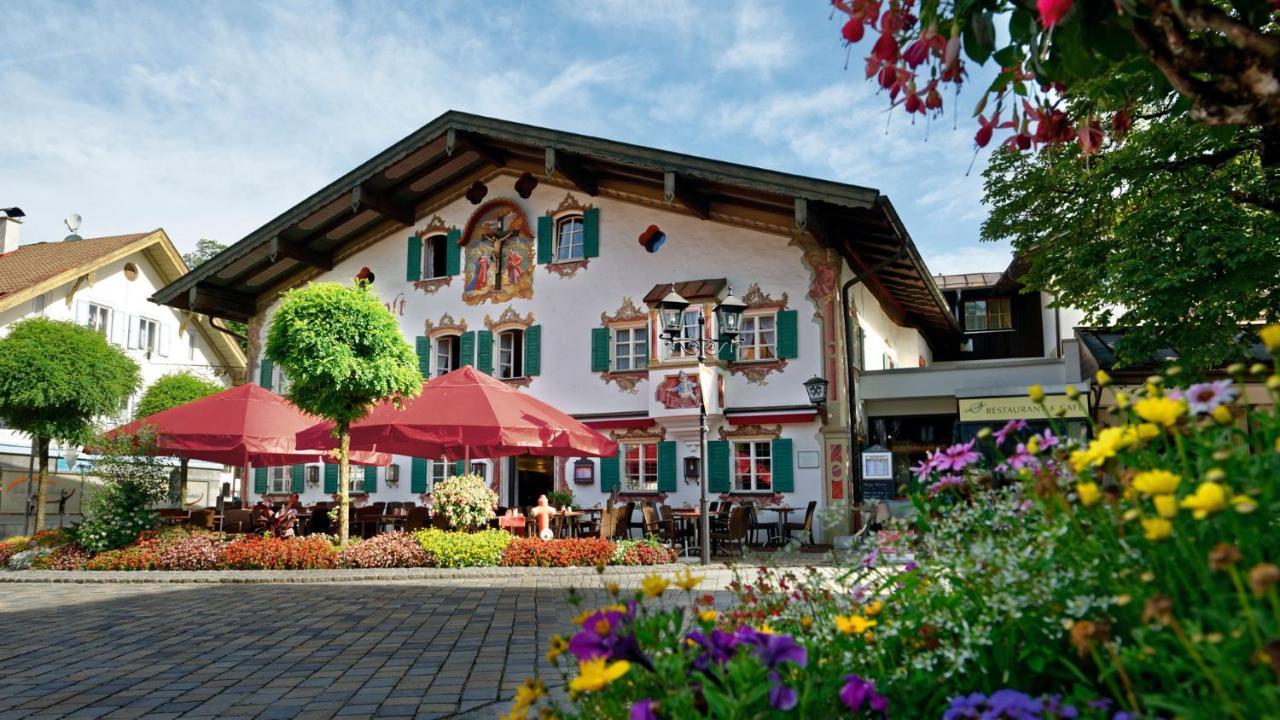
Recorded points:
(569, 238)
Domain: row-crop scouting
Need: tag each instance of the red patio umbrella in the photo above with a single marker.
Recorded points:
(468, 413)
(246, 425)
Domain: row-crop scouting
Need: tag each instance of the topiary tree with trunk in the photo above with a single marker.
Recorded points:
(342, 351)
(171, 391)
(55, 379)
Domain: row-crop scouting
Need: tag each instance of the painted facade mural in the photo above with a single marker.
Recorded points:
(498, 254)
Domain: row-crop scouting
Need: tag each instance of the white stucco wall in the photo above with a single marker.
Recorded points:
(568, 308)
(127, 299)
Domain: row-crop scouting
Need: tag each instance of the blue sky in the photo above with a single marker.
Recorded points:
(209, 119)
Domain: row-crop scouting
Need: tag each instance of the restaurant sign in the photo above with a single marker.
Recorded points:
(998, 409)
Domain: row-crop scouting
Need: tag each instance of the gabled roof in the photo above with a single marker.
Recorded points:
(33, 264)
(434, 166)
(38, 268)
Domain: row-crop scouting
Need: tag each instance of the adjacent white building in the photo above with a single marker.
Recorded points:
(105, 283)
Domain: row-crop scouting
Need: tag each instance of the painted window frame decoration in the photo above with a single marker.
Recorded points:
(497, 254)
(786, 332)
(550, 229)
(530, 346)
(416, 263)
(603, 356)
(426, 345)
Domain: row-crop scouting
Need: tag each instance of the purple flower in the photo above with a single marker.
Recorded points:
(869, 560)
(1008, 704)
(773, 650)
(957, 457)
(782, 697)
(599, 637)
(1009, 429)
(1206, 397)
(1048, 439)
(1021, 458)
(910, 566)
(925, 467)
(858, 692)
(944, 482)
(644, 710)
(719, 647)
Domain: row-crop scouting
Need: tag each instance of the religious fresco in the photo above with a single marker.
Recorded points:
(498, 254)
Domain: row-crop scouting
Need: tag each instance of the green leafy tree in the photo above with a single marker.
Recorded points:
(205, 250)
(55, 379)
(170, 391)
(1058, 60)
(343, 352)
(1171, 234)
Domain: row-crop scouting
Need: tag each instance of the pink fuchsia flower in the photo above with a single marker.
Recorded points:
(853, 30)
(1206, 397)
(957, 457)
(1052, 11)
(1009, 429)
(886, 48)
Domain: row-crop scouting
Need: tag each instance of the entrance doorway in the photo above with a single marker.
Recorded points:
(530, 477)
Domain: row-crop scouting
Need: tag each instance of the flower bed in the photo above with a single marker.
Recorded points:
(268, 553)
(1133, 575)
(642, 552)
(568, 552)
(389, 550)
(462, 549)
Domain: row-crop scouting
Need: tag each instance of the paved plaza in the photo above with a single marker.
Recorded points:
(391, 648)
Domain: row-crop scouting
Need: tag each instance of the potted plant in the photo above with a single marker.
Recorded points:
(561, 499)
(464, 501)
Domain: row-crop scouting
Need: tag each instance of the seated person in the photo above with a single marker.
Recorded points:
(260, 517)
(285, 520)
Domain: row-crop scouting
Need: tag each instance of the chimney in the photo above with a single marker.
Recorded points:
(10, 229)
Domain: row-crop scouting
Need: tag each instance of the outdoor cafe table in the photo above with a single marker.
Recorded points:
(689, 516)
(782, 535)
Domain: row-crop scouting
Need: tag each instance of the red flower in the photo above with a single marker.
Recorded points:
(1052, 11)
(853, 30)
(1121, 123)
(913, 104)
(985, 128)
(886, 48)
(932, 98)
(1089, 136)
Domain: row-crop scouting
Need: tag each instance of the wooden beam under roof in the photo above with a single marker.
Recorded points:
(568, 167)
(820, 227)
(279, 248)
(676, 188)
(457, 143)
(363, 198)
(221, 302)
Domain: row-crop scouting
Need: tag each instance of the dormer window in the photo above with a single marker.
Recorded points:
(989, 314)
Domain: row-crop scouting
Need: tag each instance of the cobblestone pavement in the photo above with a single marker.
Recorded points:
(407, 648)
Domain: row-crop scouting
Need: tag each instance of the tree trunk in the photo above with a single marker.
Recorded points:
(182, 482)
(344, 472)
(42, 485)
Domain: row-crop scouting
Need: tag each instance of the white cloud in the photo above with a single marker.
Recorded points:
(762, 42)
(985, 257)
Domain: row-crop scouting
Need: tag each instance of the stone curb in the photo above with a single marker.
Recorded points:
(174, 577)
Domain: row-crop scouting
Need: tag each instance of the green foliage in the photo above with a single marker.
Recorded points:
(560, 498)
(173, 390)
(56, 377)
(463, 549)
(1171, 234)
(465, 501)
(133, 480)
(205, 250)
(342, 350)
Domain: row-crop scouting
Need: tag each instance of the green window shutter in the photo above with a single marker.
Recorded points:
(591, 232)
(484, 351)
(533, 351)
(297, 478)
(453, 252)
(784, 474)
(331, 479)
(418, 476)
(423, 346)
(546, 237)
(265, 372)
(459, 468)
(413, 264)
(370, 484)
(718, 466)
(788, 343)
(609, 473)
(600, 338)
(667, 466)
(260, 480)
(467, 348)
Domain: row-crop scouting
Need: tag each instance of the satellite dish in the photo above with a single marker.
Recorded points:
(72, 222)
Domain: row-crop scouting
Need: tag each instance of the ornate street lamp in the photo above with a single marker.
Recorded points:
(816, 388)
(729, 325)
